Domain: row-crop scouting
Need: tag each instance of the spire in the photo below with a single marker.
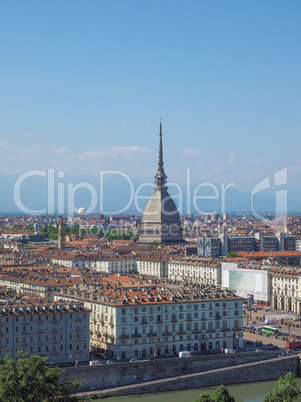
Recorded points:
(160, 176)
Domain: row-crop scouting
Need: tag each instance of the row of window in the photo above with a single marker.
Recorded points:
(151, 309)
(54, 317)
(50, 348)
(182, 328)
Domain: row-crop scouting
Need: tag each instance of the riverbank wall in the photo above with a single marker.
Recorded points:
(125, 374)
(251, 372)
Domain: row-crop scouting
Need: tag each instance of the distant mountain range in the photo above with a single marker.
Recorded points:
(115, 196)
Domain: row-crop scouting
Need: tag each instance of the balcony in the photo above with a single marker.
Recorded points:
(236, 329)
(136, 335)
(167, 333)
(124, 336)
(196, 331)
(152, 334)
(211, 330)
(225, 329)
(181, 332)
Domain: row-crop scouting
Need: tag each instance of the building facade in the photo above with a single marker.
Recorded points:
(58, 331)
(144, 323)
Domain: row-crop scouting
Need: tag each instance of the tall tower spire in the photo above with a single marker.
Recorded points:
(160, 176)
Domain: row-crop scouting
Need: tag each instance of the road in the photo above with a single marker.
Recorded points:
(277, 316)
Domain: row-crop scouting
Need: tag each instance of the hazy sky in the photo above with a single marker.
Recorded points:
(83, 85)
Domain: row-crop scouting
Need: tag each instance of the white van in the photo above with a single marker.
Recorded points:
(185, 353)
(269, 321)
(95, 363)
(229, 350)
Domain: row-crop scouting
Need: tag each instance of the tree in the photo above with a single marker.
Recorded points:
(221, 394)
(204, 397)
(27, 379)
(233, 254)
(286, 391)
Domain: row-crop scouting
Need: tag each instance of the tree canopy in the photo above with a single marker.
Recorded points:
(221, 394)
(29, 379)
(286, 391)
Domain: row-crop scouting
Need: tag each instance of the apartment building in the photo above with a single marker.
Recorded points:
(286, 289)
(56, 330)
(153, 266)
(158, 321)
(37, 283)
(207, 271)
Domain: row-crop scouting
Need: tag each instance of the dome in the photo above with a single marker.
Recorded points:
(161, 208)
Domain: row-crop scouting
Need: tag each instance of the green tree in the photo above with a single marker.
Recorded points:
(286, 391)
(26, 379)
(233, 254)
(155, 243)
(204, 397)
(221, 394)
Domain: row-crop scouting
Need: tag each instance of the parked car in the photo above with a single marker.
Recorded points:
(208, 352)
(294, 336)
(95, 363)
(258, 350)
(258, 343)
(110, 361)
(277, 326)
(274, 347)
(249, 343)
(151, 358)
(297, 318)
(251, 327)
(134, 359)
(253, 322)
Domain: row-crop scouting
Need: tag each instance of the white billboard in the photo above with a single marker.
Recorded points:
(246, 281)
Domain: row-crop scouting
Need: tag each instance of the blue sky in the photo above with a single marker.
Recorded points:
(84, 84)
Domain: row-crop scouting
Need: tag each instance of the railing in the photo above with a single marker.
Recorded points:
(136, 335)
(152, 334)
(124, 336)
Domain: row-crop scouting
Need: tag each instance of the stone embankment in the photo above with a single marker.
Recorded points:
(126, 374)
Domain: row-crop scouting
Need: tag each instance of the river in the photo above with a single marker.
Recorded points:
(252, 392)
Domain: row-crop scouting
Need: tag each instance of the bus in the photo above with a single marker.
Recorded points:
(269, 330)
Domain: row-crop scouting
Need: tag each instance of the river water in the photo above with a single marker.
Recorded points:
(252, 392)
